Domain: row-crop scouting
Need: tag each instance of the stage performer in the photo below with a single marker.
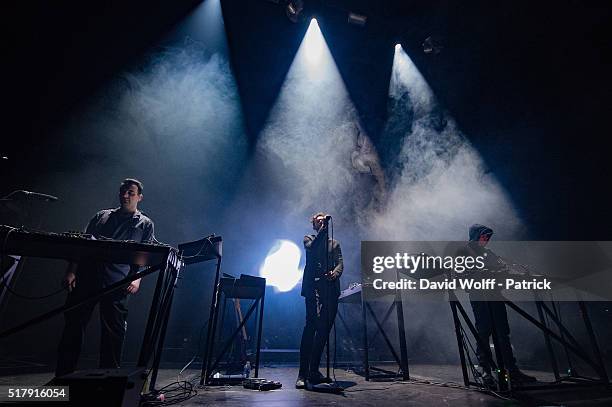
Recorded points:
(320, 289)
(479, 236)
(123, 223)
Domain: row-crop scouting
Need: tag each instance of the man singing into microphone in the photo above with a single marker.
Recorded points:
(320, 289)
(123, 223)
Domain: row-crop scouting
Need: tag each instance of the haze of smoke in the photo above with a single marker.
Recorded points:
(174, 121)
(440, 185)
(314, 136)
(310, 136)
(185, 103)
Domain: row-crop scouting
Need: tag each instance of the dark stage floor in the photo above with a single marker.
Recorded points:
(444, 389)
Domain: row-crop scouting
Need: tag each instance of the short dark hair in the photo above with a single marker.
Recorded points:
(131, 181)
(316, 215)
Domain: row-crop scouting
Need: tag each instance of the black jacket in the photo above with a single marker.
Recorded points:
(316, 262)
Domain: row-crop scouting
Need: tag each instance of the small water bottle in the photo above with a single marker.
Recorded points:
(247, 370)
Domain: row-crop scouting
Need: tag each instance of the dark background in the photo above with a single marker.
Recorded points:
(528, 82)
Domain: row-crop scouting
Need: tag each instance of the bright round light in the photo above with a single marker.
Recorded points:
(398, 47)
(281, 267)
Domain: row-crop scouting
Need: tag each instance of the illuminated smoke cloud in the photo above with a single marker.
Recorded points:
(313, 133)
(175, 122)
(440, 185)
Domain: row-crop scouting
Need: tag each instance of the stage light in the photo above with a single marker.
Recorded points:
(294, 9)
(281, 267)
(314, 43)
(398, 46)
(357, 19)
(432, 45)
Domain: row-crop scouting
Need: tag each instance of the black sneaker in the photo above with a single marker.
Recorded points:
(300, 383)
(486, 377)
(488, 380)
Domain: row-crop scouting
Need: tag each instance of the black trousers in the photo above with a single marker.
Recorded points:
(485, 322)
(321, 309)
(113, 325)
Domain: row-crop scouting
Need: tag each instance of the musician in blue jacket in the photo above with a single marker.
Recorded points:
(320, 289)
(123, 223)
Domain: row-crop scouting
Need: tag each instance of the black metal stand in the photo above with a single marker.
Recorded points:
(402, 359)
(7, 274)
(254, 288)
(164, 308)
(328, 243)
(571, 344)
(212, 323)
(549, 347)
(350, 334)
(94, 297)
(157, 318)
(565, 338)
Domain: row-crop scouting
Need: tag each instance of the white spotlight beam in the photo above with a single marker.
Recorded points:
(312, 131)
(443, 185)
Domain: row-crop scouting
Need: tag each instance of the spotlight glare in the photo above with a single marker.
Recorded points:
(314, 44)
(398, 46)
(281, 266)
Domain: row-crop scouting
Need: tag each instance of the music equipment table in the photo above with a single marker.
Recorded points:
(77, 247)
(244, 288)
(355, 295)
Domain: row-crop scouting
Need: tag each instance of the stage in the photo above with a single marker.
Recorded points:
(430, 385)
(415, 187)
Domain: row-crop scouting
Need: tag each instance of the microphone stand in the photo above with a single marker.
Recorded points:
(325, 302)
(327, 294)
(328, 290)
